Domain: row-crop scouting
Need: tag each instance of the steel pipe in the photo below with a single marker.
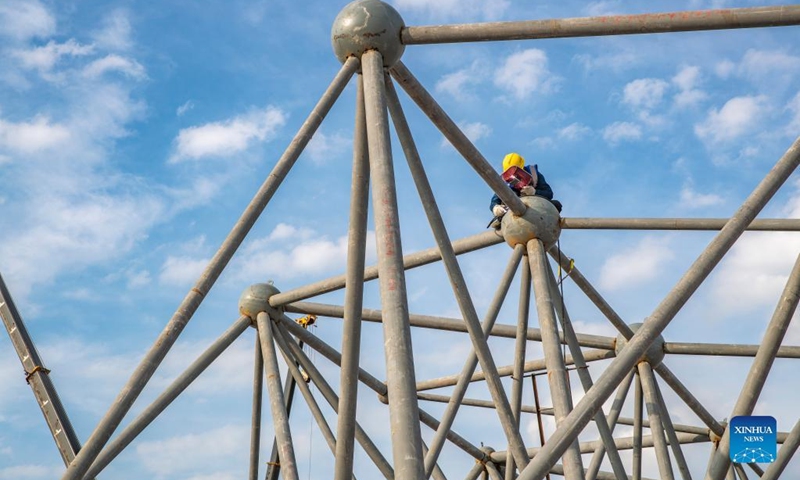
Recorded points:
(583, 374)
(457, 282)
(400, 374)
(273, 466)
(412, 260)
(672, 437)
(191, 302)
(376, 385)
(504, 371)
(327, 392)
(757, 376)
(729, 350)
(520, 344)
(762, 225)
(664, 313)
(656, 425)
(463, 379)
(277, 402)
(638, 406)
(313, 406)
(613, 418)
(682, 21)
(354, 294)
(456, 137)
(181, 383)
(556, 369)
(785, 453)
(444, 323)
(680, 389)
(255, 421)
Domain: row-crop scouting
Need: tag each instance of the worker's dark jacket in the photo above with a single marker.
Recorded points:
(542, 188)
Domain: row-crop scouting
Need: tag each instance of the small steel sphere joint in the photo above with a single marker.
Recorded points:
(540, 220)
(368, 25)
(255, 299)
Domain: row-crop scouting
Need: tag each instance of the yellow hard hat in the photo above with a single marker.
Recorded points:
(513, 160)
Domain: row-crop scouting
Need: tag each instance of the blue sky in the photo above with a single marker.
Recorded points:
(132, 136)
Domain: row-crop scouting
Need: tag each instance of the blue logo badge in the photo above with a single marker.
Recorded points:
(753, 439)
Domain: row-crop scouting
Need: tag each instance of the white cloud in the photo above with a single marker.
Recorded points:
(229, 137)
(765, 64)
(138, 279)
(755, 271)
(452, 9)
(115, 33)
(35, 136)
(724, 69)
(574, 131)
(687, 79)
(44, 58)
(112, 63)
(181, 271)
(617, 61)
(324, 148)
(524, 73)
(284, 255)
(734, 119)
(184, 108)
(193, 452)
(651, 255)
(24, 19)
(474, 132)
(459, 83)
(644, 92)
(692, 199)
(620, 131)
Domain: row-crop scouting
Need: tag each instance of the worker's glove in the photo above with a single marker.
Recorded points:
(527, 191)
(499, 210)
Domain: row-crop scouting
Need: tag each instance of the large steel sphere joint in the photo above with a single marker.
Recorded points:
(368, 25)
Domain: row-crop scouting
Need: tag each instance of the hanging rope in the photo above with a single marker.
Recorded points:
(560, 284)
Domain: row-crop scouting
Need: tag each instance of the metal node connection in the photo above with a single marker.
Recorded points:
(540, 221)
(654, 354)
(255, 299)
(366, 25)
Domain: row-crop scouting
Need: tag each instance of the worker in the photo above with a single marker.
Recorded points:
(532, 184)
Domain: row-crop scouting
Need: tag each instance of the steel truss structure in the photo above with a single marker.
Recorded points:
(370, 51)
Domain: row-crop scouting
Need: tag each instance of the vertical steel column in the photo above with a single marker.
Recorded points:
(457, 281)
(255, 429)
(757, 376)
(520, 345)
(152, 411)
(280, 419)
(556, 370)
(191, 302)
(672, 436)
(400, 376)
(273, 466)
(656, 427)
(354, 293)
(565, 435)
(613, 416)
(538, 407)
(327, 392)
(785, 454)
(36, 375)
(460, 142)
(638, 406)
(583, 374)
